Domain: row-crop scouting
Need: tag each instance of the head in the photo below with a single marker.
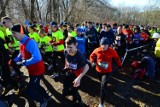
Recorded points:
(104, 43)
(31, 29)
(70, 28)
(64, 27)
(108, 27)
(42, 33)
(136, 30)
(115, 25)
(54, 26)
(104, 26)
(126, 26)
(18, 32)
(79, 31)
(156, 36)
(77, 25)
(119, 30)
(89, 24)
(144, 52)
(71, 45)
(7, 22)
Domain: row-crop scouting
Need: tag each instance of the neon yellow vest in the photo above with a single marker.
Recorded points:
(3, 29)
(56, 36)
(157, 49)
(3, 37)
(45, 42)
(35, 36)
(72, 34)
(15, 43)
(152, 32)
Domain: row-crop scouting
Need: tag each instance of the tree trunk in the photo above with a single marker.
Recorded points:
(24, 7)
(32, 10)
(39, 12)
(3, 7)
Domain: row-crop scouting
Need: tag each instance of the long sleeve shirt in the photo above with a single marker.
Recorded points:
(104, 56)
(31, 47)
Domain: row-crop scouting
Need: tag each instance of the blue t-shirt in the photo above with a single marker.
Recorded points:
(81, 40)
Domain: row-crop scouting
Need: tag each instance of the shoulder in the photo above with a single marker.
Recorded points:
(97, 50)
(31, 42)
(111, 50)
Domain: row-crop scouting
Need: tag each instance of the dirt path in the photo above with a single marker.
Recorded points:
(121, 92)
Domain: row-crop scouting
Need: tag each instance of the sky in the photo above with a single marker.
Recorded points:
(130, 3)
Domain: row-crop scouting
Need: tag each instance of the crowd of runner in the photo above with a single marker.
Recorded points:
(78, 47)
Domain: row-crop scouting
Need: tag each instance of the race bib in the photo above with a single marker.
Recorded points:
(103, 65)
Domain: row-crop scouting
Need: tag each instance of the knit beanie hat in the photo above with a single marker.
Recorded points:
(18, 28)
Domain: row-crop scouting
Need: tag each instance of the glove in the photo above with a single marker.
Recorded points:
(93, 64)
(21, 62)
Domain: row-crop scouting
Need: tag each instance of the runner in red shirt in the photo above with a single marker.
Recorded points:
(103, 62)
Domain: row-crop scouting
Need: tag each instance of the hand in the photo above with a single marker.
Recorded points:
(54, 44)
(21, 63)
(77, 82)
(93, 64)
(66, 69)
(51, 41)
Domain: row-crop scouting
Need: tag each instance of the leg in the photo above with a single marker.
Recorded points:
(32, 92)
(104, 81)
(40, 89)
(67, 84)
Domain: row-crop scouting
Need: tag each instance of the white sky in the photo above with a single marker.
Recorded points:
(130, 3)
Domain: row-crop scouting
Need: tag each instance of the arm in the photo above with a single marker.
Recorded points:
(116, 58)
(18, 58)
(92, 56)
(32, 47)
(58, 43)
(78, 79)
(61, 40)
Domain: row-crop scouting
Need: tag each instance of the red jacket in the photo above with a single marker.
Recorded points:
(105, 56)
(128, 34)
(34, 69)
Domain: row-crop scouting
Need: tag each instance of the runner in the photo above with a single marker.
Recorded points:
(76, 67)
(31, 58)
(46, 48)
(81, 40)
(58, 47)
(102, 58)
(33, 34)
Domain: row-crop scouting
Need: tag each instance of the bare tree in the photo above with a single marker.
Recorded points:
(25, 10)
(3, 4)
(32, 10)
